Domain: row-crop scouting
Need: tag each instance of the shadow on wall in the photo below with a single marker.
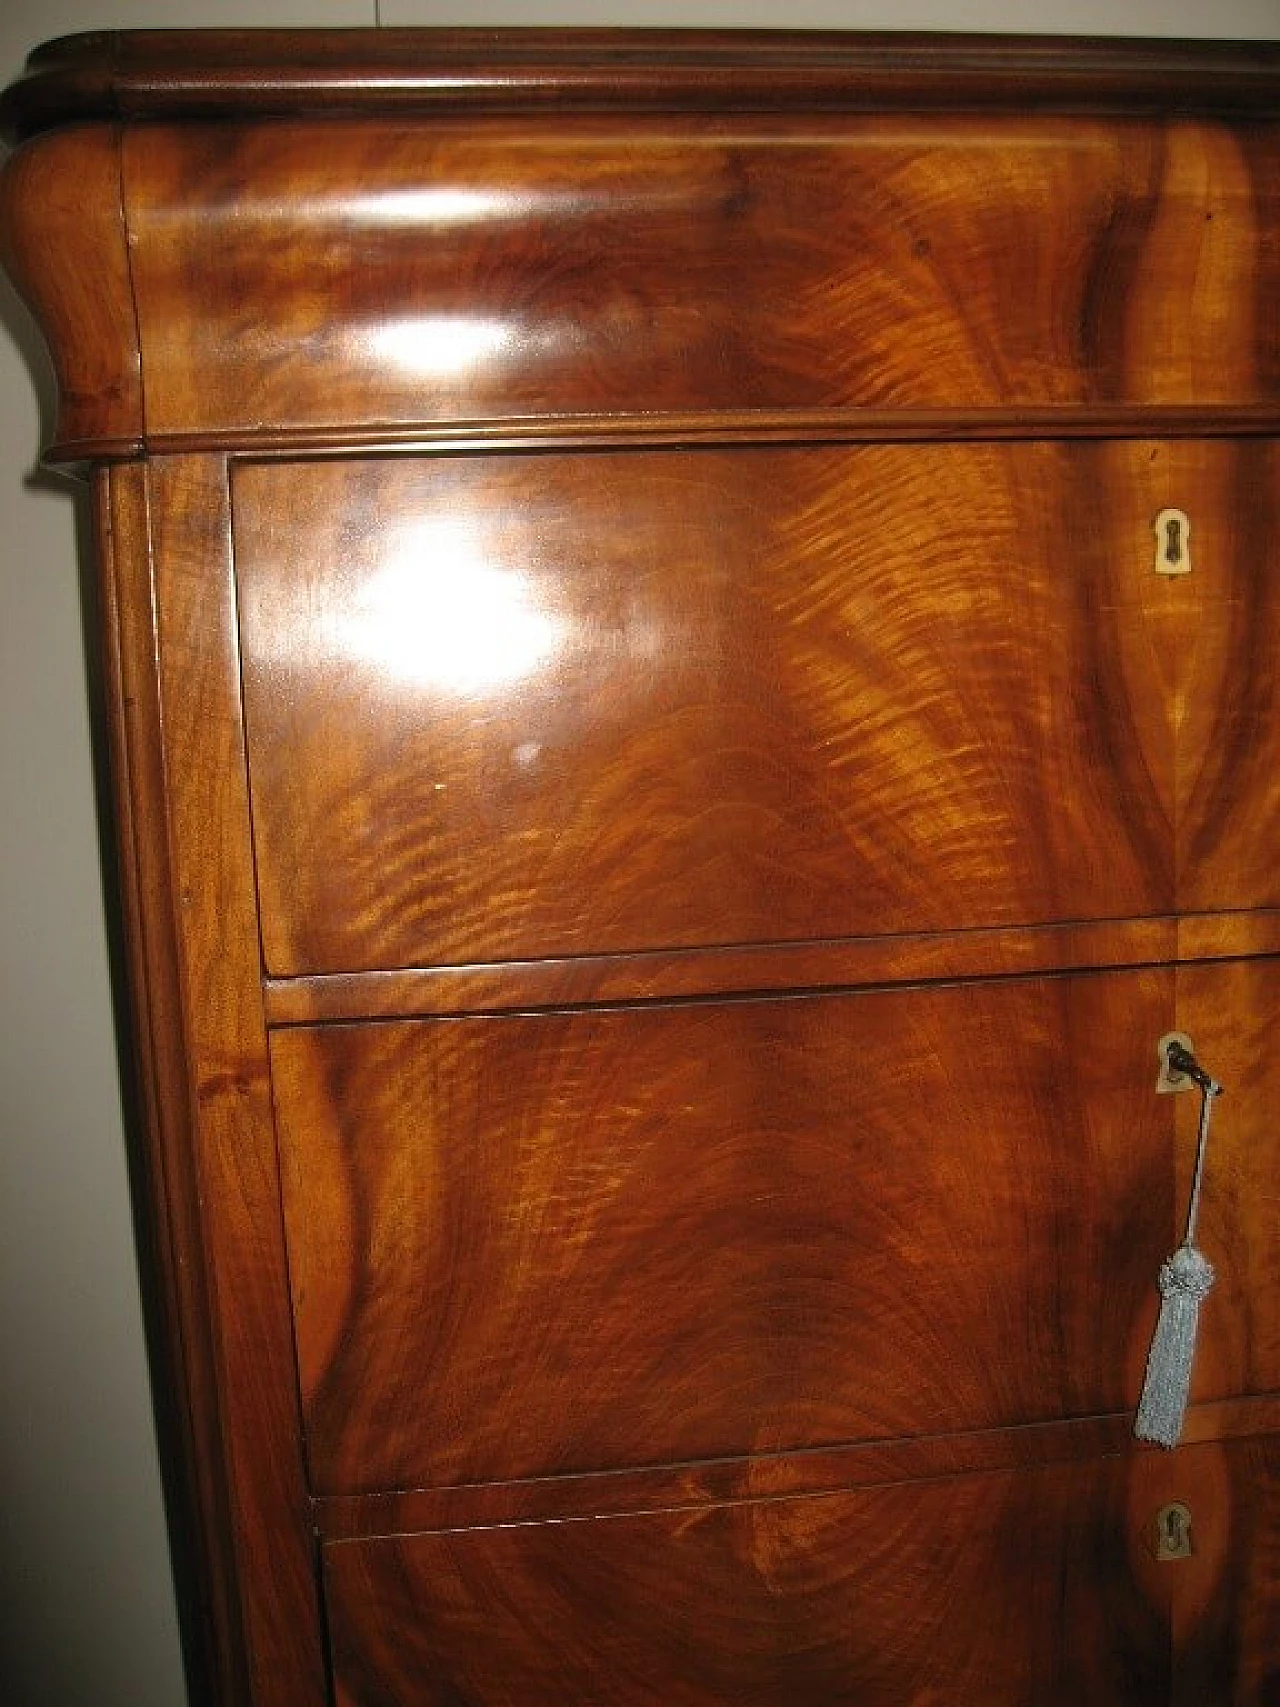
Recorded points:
(21, 1555)
(22, 333)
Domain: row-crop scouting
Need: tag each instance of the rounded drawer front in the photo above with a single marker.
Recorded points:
(406, 275)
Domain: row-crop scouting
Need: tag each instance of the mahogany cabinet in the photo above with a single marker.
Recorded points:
(691, 627)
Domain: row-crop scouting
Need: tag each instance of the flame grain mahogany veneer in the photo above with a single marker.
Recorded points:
(665, 800)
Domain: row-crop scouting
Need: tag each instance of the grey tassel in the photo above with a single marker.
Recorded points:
(1185, 1279)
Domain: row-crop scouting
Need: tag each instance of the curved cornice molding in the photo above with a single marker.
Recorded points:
(166, 74)
(63, 243)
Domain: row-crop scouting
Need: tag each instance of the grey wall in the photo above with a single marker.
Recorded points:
(87, 1613)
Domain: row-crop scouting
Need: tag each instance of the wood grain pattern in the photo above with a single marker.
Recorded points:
(1224, 1601)
(745, 714)
(171, 1237)
(1230, 1012)
(225, 1092)
(712, 698)
(63, 242)
(851, 963)
(777, 1475)
(564, 1243)
(1000, 1589)
(317, 275)
(1229, 736)
(406, 275)
(763, 1602)
(687, 723)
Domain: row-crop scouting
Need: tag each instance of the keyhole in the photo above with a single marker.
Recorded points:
(1173, 1532)
(1173, 543)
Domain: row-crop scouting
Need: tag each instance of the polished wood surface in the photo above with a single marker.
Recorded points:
(207, 1049)
(663, 807)
(482, 270)
(816, 1470)
(408, 277)
(1225, 1609)
(63, 243)
(694, 1231)
(189, 1432)
(880, 1596)
(1229, 726)
(1230, 1012)
(163, 73)
(870, 1598)
(723, 697)
(853, 963)
(863, 1165)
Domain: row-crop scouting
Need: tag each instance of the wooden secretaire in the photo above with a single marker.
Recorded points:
(692, 630)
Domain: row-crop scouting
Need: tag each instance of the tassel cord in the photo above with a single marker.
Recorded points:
(1209, 1090)
(1185, 1280)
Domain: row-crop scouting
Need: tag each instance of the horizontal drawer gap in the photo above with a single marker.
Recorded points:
(790, 1475)
(729, 427)
(761, 969)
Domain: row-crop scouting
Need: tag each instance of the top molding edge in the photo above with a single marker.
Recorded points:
(174, 74)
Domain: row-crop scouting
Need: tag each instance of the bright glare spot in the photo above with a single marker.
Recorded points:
(429, 204)
(440, 613)
(441, 344)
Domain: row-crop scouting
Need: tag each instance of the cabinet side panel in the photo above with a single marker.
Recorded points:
(167, 1188)
(232, 1154)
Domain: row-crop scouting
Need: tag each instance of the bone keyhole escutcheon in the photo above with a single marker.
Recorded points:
(1173, 543)
(1173, 1532)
